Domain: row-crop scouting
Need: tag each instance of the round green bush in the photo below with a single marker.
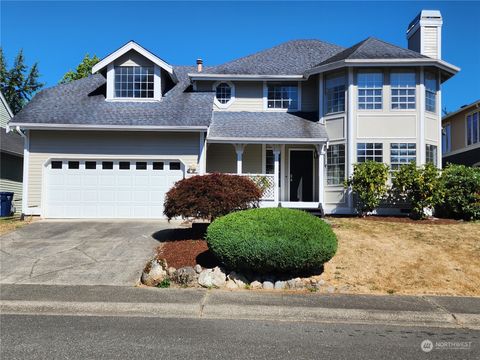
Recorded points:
(272, 240)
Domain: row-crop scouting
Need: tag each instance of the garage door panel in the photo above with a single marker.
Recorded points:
(108, 193)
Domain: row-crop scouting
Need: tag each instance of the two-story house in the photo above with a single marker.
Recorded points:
(297, 116)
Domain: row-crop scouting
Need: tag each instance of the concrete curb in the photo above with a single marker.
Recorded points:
(243, 312)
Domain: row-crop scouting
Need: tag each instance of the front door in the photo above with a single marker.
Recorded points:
(301, 175)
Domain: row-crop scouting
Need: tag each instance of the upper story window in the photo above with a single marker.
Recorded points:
(430, 92)
(282, 96)
(403, 90)
(446, 138)
(223, 93)
(370, 85)
(473, 128)
(334, 93)
(134, 82)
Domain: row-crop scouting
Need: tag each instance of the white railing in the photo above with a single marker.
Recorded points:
(266, 182)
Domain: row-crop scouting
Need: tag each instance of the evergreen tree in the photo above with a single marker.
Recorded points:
(20, 83)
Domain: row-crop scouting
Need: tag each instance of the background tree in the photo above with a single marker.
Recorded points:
(83, 69)
(20, 83)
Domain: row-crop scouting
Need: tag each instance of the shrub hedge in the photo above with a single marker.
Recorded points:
(462, 192)
(210, 196)
(271, 240)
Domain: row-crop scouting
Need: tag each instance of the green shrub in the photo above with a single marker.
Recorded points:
(462, 192)
(210, 196)
(369, 185)
(271, 240)
(420, 187)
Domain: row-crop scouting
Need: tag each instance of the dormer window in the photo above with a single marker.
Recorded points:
(224, 93)
(134, 82)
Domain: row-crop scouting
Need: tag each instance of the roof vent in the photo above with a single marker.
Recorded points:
(424, 33)
(199, 65)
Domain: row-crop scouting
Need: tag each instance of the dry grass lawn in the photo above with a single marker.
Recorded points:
(405, 258)
(12, 223)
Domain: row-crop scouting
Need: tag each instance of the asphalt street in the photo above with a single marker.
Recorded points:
(111, 337)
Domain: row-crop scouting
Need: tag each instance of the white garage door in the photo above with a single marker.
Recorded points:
(123, 189)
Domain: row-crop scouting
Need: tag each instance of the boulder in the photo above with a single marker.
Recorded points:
(153, 273)
(239, 279)
(255, 285)
(198, 269)
(291, 284)
(185, 276)
(171, 271)
(267, 285)
(231, 285)
(280, 285)
(212, 278)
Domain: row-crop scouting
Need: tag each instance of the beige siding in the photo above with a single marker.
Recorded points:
(223, 158)
(45, 145)
(335, 128)
(133, 58)
(458, 123)
(16, 188)
(386, 126)
(4, 115)
(248, 97)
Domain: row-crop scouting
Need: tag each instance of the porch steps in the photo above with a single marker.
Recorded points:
(315, 211)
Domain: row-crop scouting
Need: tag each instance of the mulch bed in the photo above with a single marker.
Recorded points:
(187, 248)
(407, 220)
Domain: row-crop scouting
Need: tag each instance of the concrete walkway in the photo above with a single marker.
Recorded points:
(79, 252)
(433, 311)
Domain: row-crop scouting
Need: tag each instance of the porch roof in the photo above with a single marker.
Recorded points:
(266, 127)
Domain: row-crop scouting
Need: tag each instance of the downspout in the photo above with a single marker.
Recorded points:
(26, 156)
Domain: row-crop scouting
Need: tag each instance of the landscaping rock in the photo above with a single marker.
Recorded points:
(291, 284)
(299, 285)
(155, 274)
(255, 285)
(280, 285)
(198, 269)
(185, 276)
(239, 279)
(231, 285)
(171, 271)
(267, 285)
(212, 278)
(331, 289)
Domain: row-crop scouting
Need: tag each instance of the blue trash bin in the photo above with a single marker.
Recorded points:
(6, 203)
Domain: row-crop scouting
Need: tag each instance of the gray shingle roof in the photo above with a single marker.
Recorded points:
(269, 125)
(11, 143)
(290, 58)
(83, 102)
(372, 48)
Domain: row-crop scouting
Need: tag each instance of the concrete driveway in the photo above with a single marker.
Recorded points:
(79, 252)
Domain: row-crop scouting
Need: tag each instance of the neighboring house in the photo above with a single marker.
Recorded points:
(461, 136)
(11, 163)
(299, 114)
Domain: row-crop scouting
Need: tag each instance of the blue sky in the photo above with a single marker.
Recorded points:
(58, 34)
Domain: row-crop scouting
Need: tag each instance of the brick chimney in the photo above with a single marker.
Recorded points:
(199, 65)
(424, 34)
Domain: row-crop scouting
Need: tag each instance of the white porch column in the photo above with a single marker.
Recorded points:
(276, 172)
(321, 149)
(202, 156)
(239, 150)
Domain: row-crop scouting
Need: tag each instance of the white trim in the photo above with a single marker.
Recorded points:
(283, 173)
(350, 137)
(131, 45)
(38, 126)
(202, 154)
(232, 98)
(321, 150)
(232, 140)
(300, 204)
(288, 171)
(451, 69)
(242, 77)
(4, 101)
(321, 103)
(239, 148)
(439, 118)
(276, 173)
(26, 160)
(421, 119)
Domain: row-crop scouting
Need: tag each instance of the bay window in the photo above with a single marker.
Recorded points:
(402, 154)
(370, 85)
(430, 92)
(403, 90)
(431, 154)
(334, 93)
(336, 164)
(369, 152)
